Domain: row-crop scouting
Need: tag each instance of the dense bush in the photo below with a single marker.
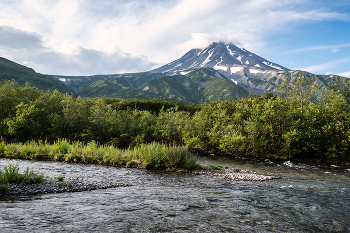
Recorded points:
(301, 122)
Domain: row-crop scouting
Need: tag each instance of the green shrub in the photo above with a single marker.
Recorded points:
(159, 156)
(2, 147)
(62, 146)
(10, 174)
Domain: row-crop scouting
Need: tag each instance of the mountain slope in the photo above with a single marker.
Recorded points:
(10, 70)
(129, 80)
(247, 70)
(217, 54)
(198, 85)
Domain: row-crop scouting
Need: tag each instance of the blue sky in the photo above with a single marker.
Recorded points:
(86, 37)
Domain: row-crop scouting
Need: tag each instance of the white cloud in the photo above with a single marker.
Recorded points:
(325, 66)
(65, 57)
(335, 50)
(132, 30)
(201, 41)
(346, 74)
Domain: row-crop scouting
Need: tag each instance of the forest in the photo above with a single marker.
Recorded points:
(300, 122)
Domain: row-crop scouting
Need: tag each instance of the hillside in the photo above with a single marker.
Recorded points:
(10, 70)
(197, 85)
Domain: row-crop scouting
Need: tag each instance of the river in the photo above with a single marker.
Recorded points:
(308, 198)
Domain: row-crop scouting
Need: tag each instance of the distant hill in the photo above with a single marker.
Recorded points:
(10, 70)
(199, 85)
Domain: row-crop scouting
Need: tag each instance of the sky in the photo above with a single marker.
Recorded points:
(87, 37)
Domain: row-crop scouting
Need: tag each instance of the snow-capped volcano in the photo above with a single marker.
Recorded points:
(219, 56)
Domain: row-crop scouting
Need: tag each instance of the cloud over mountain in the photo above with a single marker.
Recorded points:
(143, 33)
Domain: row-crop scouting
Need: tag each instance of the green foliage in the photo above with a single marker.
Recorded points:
(158, 156)
(217, 167)
(2, 147)
(62, 146)
(302, 122)
(10, 174)
(60, 178)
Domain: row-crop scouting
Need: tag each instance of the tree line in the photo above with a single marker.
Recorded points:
(301, 122)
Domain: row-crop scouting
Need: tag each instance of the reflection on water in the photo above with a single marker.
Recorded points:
(307, 199)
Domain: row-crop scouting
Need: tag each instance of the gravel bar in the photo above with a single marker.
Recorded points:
(231, 175)
(56, 187)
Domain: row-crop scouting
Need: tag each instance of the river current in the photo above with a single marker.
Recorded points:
(308, 198)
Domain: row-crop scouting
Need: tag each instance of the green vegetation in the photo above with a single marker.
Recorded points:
(201, 85)
(303, 122)
(154, 156)
(60, 178)
(11, 175)
(217, 167)
(12, 71)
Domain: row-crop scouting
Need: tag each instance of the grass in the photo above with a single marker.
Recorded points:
(11, 175)
(217, 167)
(153, 156)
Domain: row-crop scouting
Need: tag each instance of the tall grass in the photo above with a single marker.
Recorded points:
(10, 174)
(149, 156)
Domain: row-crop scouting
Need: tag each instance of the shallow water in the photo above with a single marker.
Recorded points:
(308, 198)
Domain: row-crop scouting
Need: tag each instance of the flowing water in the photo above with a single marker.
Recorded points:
(308, 198)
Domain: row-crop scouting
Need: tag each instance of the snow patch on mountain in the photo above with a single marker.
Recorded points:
(234, 81)
(236, 69)
(229, 50)
(224, 68)
(272, 65)
(185, 72)
(239, 58)
(208, 58)
(194, 64)
(256, 71)
(219, 61)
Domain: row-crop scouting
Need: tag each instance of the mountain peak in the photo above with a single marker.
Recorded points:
(216, 55)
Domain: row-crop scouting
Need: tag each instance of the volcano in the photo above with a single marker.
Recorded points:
(219, 56)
